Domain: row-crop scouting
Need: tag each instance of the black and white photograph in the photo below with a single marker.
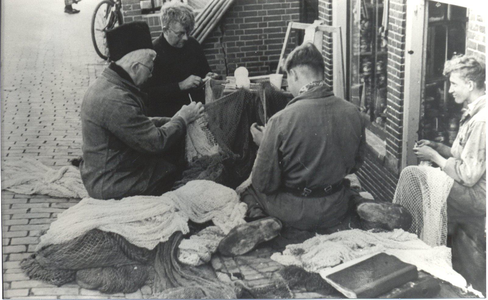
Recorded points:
(243, 149)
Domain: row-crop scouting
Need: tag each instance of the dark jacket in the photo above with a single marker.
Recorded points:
(171, 66)
(123, 149)
(315, 141)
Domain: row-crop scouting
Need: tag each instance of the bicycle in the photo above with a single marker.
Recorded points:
(107, 15)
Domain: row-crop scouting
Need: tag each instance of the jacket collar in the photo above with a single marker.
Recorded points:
(310, 85)
(120, 77)
(121, 72)
(314, 92)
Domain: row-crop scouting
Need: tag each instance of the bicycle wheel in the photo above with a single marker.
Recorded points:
(104, 18)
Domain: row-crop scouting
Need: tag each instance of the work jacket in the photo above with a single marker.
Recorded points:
(123, 150)
(315, 141)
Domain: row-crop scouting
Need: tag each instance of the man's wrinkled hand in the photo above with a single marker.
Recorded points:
(191, 82)
(257, 132)
(191, 112)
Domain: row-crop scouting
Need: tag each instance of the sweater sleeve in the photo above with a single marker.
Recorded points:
(127, 122)
(468, 169)
(266, 173)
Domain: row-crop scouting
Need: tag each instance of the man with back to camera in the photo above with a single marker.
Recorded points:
(126, 153)
(305, 151)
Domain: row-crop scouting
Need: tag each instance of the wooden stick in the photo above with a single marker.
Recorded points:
(217, 20)
(287, 35)
(203, 16)
(208, 18)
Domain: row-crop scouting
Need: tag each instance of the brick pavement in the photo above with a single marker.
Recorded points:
(47, 64)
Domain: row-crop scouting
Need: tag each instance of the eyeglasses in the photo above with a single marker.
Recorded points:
(150, 69)
(180, 34)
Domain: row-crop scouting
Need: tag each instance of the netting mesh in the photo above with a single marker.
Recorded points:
(423, 191)
(58, 263)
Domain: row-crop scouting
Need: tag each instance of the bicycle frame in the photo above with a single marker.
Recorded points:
(113, 14)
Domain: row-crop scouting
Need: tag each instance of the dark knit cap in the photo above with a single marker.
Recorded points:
(126, 38)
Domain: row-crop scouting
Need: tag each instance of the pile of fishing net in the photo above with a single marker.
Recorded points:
(423, 191)
(29, 176)
(111, 245)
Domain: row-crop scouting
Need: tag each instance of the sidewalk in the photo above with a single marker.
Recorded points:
(47, 65)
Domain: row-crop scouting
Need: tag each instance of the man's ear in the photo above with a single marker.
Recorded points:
(134, 67)
(293, 74)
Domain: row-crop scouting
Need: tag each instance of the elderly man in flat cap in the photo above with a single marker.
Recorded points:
(126, 153)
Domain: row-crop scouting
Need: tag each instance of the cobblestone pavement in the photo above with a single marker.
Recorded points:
(48, 62)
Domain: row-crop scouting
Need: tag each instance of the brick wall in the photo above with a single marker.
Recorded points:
(476, 35)
(250, 34)
(379, 173)
(325, 14)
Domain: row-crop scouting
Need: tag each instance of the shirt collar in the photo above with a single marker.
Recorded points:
(310, 85)
(473, 108)
(474, 104)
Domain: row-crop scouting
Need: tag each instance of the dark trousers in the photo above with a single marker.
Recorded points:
(466, 216)
(303, 213)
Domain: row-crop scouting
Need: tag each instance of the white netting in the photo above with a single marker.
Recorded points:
(423, 191)
(323, 252)
(29, 176)
(199, 140)
(145, 221)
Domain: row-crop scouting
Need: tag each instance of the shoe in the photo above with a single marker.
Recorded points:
(71, 11)
(246, 237)
(384, 215)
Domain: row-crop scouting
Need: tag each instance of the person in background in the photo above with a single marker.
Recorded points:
(126, 153)
(465, 162)
(180, 67)
(68, 8)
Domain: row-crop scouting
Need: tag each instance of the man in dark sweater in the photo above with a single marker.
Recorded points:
(180, 67)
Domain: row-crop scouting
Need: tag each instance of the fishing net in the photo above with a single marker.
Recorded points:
(223, 135)
(113, 242)
(174, 280)
(423, 191)
(104, 251)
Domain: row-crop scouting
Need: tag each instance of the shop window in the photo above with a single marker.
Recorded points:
(446, 36)
(368, 60)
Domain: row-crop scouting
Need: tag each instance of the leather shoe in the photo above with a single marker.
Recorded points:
(245, 237)
(71, 11)
(384, 215)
